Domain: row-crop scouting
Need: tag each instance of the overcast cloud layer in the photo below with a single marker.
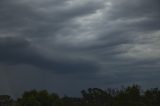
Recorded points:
(69, 45)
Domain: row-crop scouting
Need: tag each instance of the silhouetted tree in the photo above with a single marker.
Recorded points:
(41, 98)
(152, 97)
(126, 96)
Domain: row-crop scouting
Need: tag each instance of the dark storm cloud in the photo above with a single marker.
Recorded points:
(23, 20)
(134, 9)
(41, 19)
(99, 43)
(19, 51)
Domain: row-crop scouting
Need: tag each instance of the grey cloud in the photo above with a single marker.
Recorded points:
(91, 42)
(134, 9)
(29, 20)
(19, 51)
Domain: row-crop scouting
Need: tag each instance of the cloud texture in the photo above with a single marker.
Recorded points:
(63, 44)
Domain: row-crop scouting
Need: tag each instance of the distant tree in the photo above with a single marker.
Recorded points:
(72, 101)
(152, 97)
(130, 96)
(5, 100)
(41, 98)
(96, 97)
(126, 96)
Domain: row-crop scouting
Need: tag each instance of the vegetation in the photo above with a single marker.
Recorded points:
(126, 96)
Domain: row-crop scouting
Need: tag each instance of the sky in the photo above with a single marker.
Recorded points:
(65, 46)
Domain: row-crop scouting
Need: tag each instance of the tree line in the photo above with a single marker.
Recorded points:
(125, 96)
